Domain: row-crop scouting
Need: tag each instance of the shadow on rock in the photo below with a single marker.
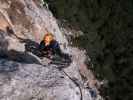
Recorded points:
(22, 57)
(3, 43)
(8, 66)
(32, 46)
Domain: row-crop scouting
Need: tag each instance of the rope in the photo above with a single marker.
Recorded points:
(81, 95)
(77, 84)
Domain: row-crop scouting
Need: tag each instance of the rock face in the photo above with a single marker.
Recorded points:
(27, 19)
(34, 82)
(24, 76)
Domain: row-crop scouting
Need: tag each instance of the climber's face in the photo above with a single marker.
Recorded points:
(48, 39)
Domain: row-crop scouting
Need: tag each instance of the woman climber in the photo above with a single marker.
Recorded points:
(49, 46)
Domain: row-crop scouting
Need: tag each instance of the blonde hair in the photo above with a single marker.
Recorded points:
(50, 35)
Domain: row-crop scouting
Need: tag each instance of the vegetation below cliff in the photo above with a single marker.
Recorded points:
(108, 39)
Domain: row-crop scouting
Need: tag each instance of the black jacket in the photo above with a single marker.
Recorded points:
(53, 47)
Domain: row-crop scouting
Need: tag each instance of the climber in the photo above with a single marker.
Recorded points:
(49, 46)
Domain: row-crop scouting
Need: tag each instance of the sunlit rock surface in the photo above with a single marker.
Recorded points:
(34, 82)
